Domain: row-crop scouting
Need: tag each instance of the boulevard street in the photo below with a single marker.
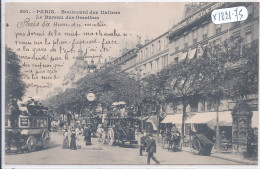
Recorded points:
(99, 153)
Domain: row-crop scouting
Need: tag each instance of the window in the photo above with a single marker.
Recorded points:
(204, 32)
(176, 49)
(164, 61)
(152, 48)
(235, 24)
(210, 106)
(195, 41)
(205, 36)
(195, 36)
(186, 45)
(176, 59)
(194, 106)
(147, 52)
(159, 45)
(218, 28)
(186, 39)
(203, 105)
(248, 37)
(141, 55)
(166, 42)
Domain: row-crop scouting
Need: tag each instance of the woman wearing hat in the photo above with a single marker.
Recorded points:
(66, 139)
(73, 140)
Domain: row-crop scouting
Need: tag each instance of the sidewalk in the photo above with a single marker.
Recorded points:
(230, 157)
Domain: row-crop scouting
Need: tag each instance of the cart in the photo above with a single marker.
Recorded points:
(200, 145)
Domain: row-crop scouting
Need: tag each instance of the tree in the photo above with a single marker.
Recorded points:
(109, 85)
(15, 87)
(231, 72)
(184, 84)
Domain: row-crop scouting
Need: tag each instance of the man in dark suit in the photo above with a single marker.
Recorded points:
(151, 148)
(87, 135)
(143, 143)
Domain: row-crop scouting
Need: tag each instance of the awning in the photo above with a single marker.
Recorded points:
(255, 119)
(174, 119)
(202, 118)
(153, 121)
(183, 56)
(192, 53)
(225, 119)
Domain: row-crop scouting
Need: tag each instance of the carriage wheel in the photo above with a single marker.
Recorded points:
(31, 143)
(110, 136)
(195, 146)
(45, 140)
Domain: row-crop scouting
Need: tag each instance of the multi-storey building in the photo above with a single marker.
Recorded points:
(197, 28)
(184, 41)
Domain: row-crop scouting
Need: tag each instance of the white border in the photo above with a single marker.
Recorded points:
(100, 166)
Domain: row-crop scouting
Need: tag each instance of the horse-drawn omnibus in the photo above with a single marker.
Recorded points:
(31, 130)
(119, 127)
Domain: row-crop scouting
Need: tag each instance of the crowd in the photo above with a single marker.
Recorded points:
(71, 137)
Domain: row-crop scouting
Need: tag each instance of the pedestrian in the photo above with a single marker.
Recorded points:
(151, 148)
(78, 132)
(143, 143)
(66, 139)
(87, 136)
(73, 145)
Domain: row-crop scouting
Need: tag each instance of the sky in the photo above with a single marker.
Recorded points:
(145, 19)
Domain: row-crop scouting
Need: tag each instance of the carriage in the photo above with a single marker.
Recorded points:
(171, 140)
(120, 130)
(31, 130)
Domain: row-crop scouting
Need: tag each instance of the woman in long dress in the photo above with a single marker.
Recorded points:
(66, 139)
(73, 140)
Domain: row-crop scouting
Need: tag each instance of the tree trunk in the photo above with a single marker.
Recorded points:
(183, 118)
(217, 128)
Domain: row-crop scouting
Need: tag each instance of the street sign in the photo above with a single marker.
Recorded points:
(91, 97)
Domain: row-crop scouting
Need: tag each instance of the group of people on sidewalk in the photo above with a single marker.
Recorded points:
(75, 135)
(148, 143)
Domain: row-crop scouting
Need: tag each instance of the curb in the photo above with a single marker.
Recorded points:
(247, 162)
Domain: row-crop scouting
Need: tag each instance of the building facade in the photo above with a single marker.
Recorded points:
(185, 41)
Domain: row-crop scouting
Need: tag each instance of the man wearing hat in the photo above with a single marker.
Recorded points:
(151, 148)
(143, 143)
(87, 135)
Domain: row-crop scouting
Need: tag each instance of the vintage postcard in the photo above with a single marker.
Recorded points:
(130, 83)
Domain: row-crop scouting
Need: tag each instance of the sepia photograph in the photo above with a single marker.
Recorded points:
(130, 83)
